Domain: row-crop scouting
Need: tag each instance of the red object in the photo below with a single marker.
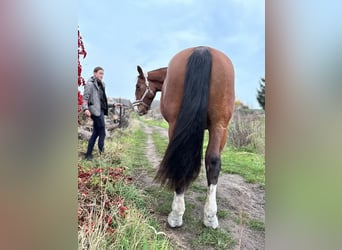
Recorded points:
(81, 51)
(109, 203)
(80, 81)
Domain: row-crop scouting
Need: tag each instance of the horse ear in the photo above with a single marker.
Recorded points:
(141, 73)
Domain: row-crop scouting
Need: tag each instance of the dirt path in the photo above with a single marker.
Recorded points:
(240, 203)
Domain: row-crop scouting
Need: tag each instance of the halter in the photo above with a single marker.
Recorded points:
(148, 90)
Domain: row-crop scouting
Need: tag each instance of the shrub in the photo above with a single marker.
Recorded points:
(247, 131)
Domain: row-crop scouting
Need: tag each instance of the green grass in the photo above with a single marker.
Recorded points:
(250, 166)
(201, 198)
(161, 203)
(197, 187)
(138, 230)
(256, 225)
(159, 123)
(161, 199)
(242, 161)
(251, 223)
(137, 233)
(160, 142)
(222, 214)
(217, 238)
(134, 155)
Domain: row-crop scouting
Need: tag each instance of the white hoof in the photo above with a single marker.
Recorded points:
(211, 221)
(175, 220)
(210, 208)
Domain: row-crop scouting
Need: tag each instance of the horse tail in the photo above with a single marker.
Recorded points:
(182, 160)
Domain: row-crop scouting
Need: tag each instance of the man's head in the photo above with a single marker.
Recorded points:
(98, 73)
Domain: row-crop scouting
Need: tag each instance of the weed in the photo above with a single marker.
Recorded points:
(162, 199)
(251, 166)
(201, 198)
(195, 186)
(136, 232)
(119, 216)
(216, 238)
(247, 131)
(222, 214)
(159, 123)
(134, 155)
(160, 142)
(256, 225)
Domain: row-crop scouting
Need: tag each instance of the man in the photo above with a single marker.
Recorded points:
(95, 106)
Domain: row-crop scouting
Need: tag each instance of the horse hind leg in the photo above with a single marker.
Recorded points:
(217, 140)
(175, 218)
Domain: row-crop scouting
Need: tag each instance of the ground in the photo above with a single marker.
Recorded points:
(240, 205)
(136, 215)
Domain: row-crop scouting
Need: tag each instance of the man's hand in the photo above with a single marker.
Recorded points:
(87, 113)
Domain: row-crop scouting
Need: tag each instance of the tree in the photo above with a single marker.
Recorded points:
(240, 105)
(261, 93)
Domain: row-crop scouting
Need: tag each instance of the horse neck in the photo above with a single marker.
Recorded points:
(157, 78)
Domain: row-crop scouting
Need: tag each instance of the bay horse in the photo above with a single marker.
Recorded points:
(197, 93)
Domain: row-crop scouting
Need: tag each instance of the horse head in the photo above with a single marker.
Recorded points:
(144, 94)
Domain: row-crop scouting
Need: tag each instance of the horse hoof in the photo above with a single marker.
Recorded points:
(175, 221)
(211, 221)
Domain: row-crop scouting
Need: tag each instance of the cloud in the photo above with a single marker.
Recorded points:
(123, 34)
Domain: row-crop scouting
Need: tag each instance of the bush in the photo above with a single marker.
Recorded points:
(247, 131)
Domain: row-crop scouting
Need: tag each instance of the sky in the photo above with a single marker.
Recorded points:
(119, 35)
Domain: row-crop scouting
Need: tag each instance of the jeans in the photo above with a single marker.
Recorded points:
(98, 131)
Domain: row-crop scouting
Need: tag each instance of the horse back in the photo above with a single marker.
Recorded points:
(221, 96)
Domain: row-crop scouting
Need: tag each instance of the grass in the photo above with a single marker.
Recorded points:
(137, 233)
(247, 131)
(222, 214)
(217, 238)
(138, 229)
(256, 225)
(134, 156)
(250, 166)
(251, 223)
(197, 187)
(160, 142)
(201, 198)
(161, 201)
(159, 123)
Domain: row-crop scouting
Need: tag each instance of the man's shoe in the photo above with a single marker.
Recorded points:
(88, 157)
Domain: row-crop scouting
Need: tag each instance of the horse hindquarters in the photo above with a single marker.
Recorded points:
(182, 160)
(220, 109)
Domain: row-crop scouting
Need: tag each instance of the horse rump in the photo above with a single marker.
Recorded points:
(182, 160)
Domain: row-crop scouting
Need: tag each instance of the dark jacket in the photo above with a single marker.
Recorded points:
(91, 97)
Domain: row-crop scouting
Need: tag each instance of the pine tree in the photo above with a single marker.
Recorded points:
(261, 93)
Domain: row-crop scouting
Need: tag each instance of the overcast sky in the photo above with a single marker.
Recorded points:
(119, 35)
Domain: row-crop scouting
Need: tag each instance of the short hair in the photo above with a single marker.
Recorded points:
(97, 69)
